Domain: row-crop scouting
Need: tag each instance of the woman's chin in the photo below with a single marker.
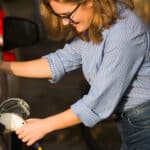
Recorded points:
(79, 29)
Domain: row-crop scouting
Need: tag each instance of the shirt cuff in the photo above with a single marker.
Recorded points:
(56, 67)
(85, 114)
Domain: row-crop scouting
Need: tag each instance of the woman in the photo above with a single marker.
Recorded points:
(112, 45)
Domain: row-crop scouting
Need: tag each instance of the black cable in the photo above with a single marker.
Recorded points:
(2, 128)
(4, 141)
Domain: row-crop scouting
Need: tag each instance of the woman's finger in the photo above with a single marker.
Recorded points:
(31, 142)
(20, 130)
(26, 139)
(31, 120)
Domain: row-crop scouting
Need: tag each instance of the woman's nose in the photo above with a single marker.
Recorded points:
(65, 21)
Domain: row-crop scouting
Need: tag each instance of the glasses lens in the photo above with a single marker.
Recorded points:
(66, 17)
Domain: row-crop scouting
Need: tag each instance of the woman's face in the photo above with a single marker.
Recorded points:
(78, 15)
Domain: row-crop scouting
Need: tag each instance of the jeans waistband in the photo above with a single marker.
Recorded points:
(133, 111)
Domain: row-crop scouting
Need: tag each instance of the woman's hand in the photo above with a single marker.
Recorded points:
(33, 130)
(1, 63)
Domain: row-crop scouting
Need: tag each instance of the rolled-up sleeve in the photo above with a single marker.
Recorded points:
(65, 60)
(123, 55)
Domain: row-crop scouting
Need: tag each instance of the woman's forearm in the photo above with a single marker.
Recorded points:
(38, 68)
(62, 120)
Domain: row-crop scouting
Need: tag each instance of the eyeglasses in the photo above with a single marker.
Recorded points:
(67, 16)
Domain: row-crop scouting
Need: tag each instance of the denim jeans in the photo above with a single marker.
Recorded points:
(134, 128)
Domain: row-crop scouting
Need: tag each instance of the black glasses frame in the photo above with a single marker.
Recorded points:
(67, 16)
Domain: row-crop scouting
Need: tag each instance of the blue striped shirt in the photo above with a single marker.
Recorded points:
(117, 69)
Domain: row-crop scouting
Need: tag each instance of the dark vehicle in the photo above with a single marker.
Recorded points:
(5, 56)
(18, 32)
(5, 79)
(12, 36)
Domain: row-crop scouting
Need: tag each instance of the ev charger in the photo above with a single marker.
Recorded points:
(11, 122)
(13, 113)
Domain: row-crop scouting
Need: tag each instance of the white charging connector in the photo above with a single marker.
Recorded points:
(11, 121)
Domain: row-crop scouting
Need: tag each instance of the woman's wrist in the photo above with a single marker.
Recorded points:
(50, 124)
(61, 121)
(5, 66)
(2, 65)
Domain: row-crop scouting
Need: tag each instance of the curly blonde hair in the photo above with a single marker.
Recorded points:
(105, 14)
